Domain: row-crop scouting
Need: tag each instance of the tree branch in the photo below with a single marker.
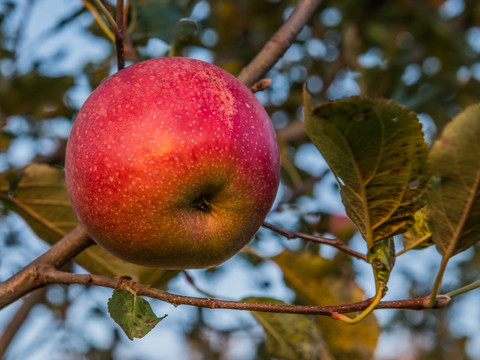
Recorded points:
(321, 240)
(260, 85)
(20, 316)
(279, 42)
(43, 271)
(27, 279)
(48, 275)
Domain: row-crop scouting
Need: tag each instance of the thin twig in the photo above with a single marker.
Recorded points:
(260, 85)
(106, 13)
(43, 271)
(93, 10)
(49, 275)
(279, 42)
(20, 316)
(129, 48)
(119, 36)
(321, 240)
(191, 281)
(464, 289)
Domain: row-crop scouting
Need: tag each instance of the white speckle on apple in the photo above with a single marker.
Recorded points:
(178, 137)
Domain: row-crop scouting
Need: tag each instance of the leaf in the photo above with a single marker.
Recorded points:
(419, 235)
(185, 30)
(382, 257)
(132, 313)
(377, 152)
(38, 95)
(318, 281)
(41, 199)
(289, 336)
(155, 19)
(5, 140)
(454, 198)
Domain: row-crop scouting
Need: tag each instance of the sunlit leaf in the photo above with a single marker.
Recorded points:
(41, 199)
(419, 235)
(454, 198)
(318, 281)
(290, 336)
(377, 152)
(132, 313)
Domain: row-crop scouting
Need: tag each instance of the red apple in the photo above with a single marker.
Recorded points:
(172, 163)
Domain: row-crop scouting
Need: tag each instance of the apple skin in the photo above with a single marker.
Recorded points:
(172, 163)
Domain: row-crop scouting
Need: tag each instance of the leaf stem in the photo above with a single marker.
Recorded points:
(99, 20)
(464, 289)
(364, 313)
(117, 27)
(437, 285)
(119, 36)
(107, 14)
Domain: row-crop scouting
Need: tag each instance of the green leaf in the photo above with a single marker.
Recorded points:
(318, 281)
(377, 152)
(290, 336)
(132, 313)
(41, 199)
(382, 257)
(185, 30)
(155, 19)
(419, 235)
(36, 95)
(454, 198)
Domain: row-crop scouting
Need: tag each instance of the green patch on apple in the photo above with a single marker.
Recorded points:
(172, 163)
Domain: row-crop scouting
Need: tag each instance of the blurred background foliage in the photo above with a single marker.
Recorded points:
(423, 54)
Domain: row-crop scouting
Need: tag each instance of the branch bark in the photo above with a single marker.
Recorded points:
(279, 42)
(48, 275)
(20, 316)
(321, 240)
(27, 279)
(43, 271)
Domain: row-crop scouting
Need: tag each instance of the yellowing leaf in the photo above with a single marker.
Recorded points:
(376, 150)
(290, 336)
(41, 199)
(454, 198)
(318, 281)
(419, 235)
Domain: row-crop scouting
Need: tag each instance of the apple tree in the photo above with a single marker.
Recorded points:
(372, 112)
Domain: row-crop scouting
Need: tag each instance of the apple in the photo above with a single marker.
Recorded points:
(172, 163)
